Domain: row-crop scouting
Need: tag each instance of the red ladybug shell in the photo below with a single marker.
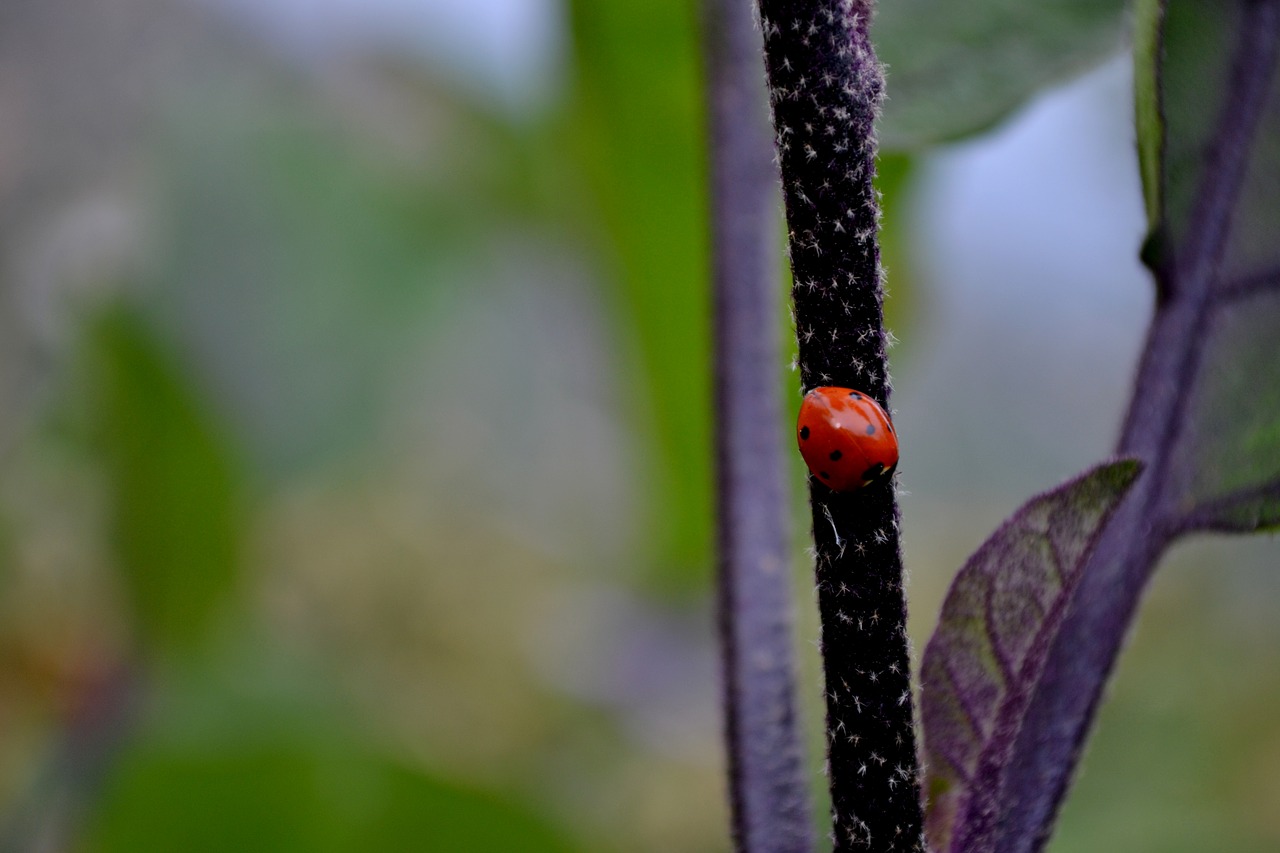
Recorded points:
(846, 439)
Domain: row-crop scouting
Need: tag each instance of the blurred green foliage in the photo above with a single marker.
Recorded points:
(1203, 80)
(1193, 77)
(1147, 44)
(637, 123)
(895, 172)
(297, 266)
(1185, 755)
(177, 522)
(1233, 452)
(955, 69)
(296, 786)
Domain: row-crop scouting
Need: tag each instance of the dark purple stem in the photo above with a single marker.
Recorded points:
(825, 88)
(1082, 656)
(771, 812)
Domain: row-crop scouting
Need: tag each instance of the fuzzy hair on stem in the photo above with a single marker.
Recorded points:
(825, 88)
(768, 792)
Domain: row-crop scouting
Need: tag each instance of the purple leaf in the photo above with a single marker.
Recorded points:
(1002, 611)
(1211, 165)
(1205, 415)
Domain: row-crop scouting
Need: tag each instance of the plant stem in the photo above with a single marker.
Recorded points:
(771, 812)
(825, 87)
(1084, 653)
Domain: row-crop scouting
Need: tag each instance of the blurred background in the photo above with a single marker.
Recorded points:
(355, 437)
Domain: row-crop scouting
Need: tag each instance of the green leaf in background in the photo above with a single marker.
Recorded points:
(637, 119)
(997, 622)
(894, 174)
(298, 267)
(956, 67)
(281, 797)
(1210, 149)
(175, 520)
(1227, 463)
(1174, 765)
(1182, 71)
(279, 785)
(1146, 98)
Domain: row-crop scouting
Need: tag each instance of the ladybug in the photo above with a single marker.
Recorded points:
(846, 439)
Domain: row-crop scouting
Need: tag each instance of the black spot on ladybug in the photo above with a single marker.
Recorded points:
(855, 395)
(871, 429)
(835, 455)
(824, 475)
(804, 432)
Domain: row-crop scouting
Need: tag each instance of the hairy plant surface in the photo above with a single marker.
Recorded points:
(767, 785)
(825, 87)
